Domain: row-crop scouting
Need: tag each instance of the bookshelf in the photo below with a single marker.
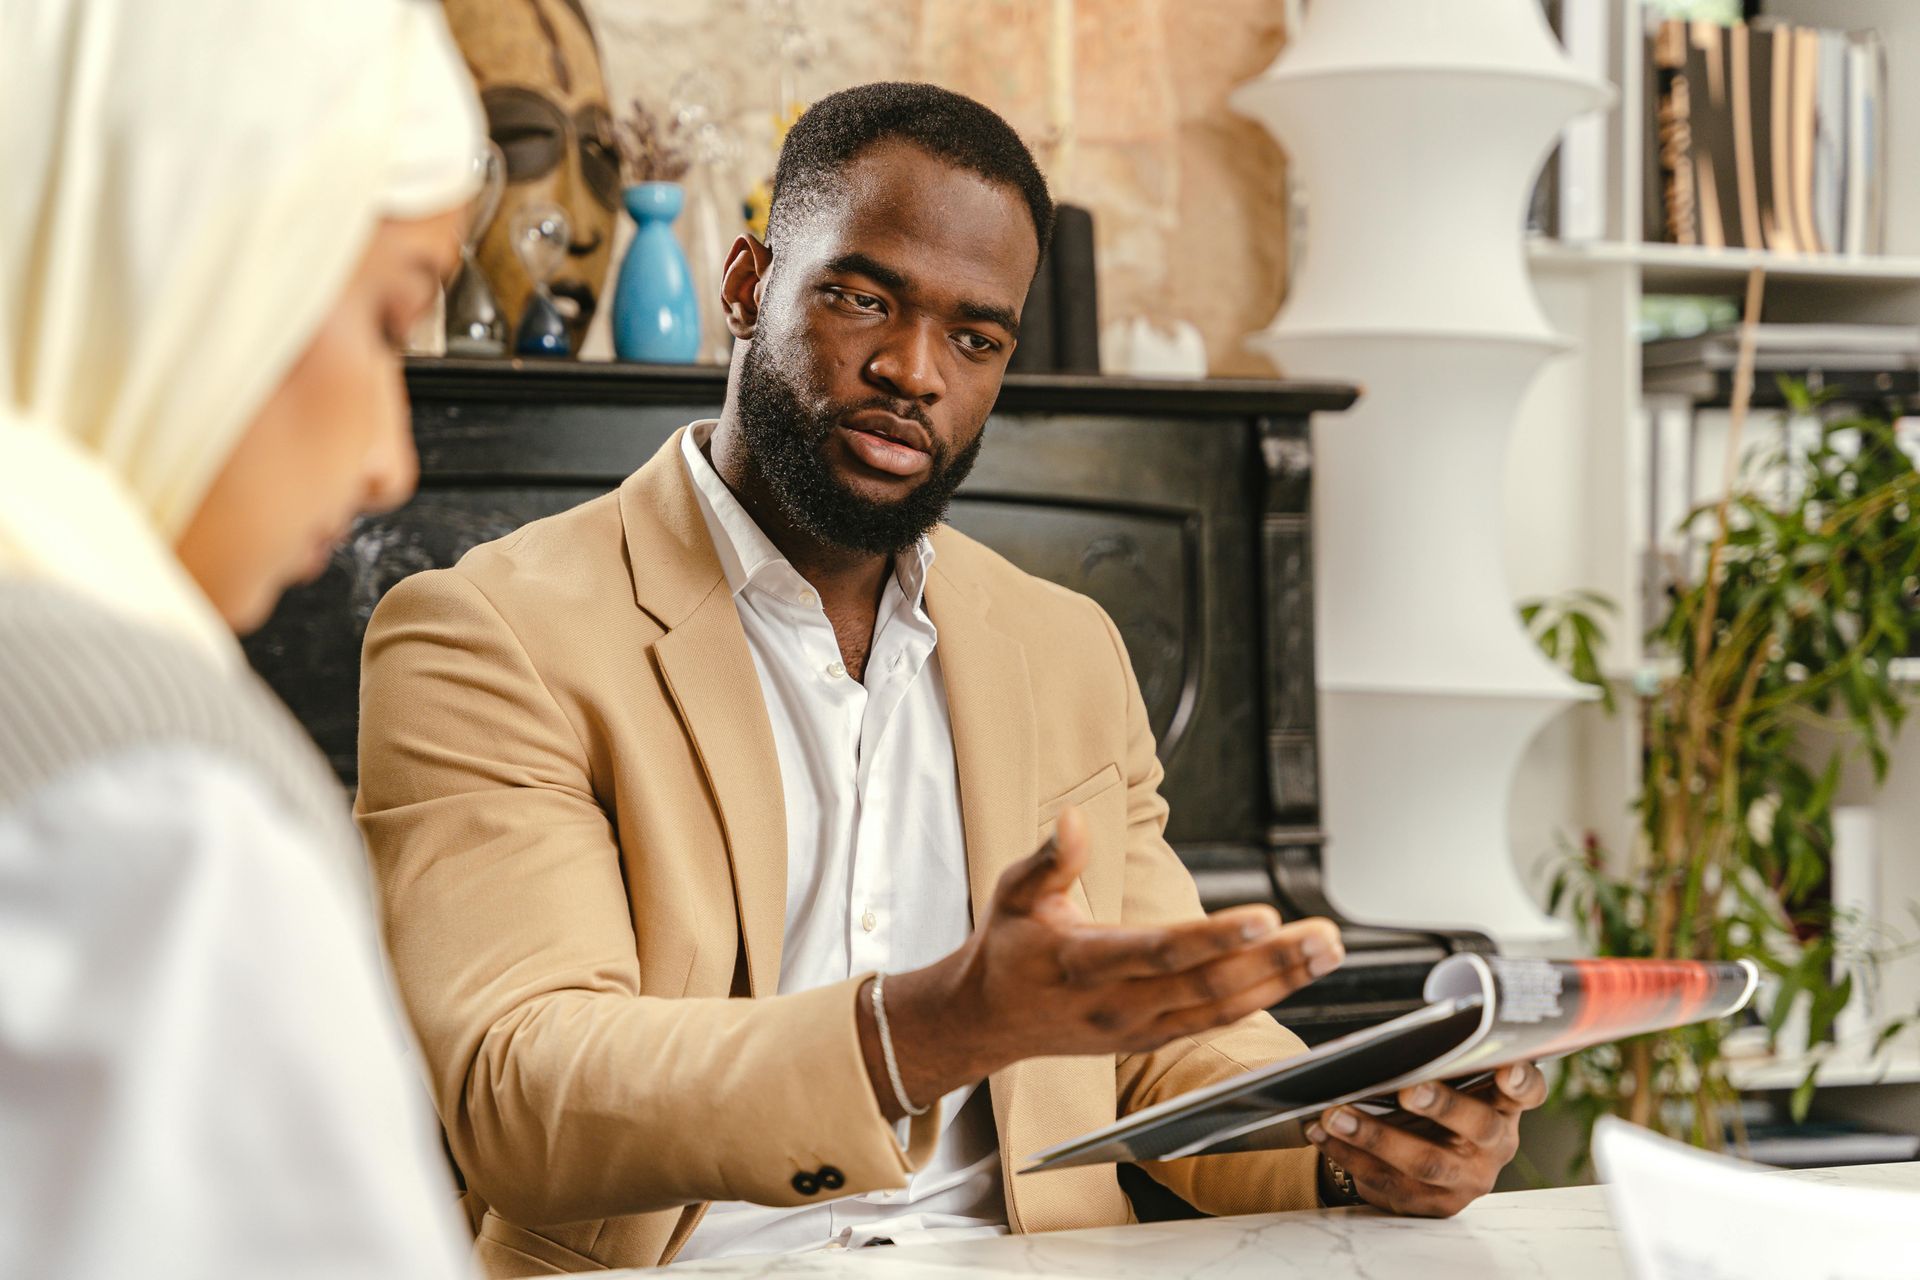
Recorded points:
(1682, 268)
(1848, 1067)
(1577, 489)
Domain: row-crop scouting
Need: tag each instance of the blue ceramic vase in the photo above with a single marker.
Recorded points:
(656, 317)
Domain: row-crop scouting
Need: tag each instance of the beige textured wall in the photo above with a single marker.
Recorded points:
(1187, 195)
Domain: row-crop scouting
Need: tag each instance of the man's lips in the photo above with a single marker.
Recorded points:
(900, 430)
(894, 445)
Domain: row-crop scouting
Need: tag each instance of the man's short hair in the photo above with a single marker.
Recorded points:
(837, 129)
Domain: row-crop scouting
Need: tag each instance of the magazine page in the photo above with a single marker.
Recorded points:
(1486, 1011)
(1549, 1008)
(1350, 1067)
(1537, 1009)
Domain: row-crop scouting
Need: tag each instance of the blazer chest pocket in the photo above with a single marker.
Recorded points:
(1103, 799)
(1081, 793)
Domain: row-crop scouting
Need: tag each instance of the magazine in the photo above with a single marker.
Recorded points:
(1483, 1012)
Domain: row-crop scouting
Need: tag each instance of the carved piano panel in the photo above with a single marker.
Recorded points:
(310, 650)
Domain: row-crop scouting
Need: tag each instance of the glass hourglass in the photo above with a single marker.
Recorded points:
(712, 217)
(540, 238)
(475, 326)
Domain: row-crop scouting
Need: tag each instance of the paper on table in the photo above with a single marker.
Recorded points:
(1690, 1215)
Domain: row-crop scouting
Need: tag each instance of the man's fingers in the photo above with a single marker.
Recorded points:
(1193, 1019)
(1413, 1157)
(1223, 990)
(1485, 1124)
(1295, 956)
(1101, 954)
(1051, 869)
(1522, 1087)
(1379, 1183)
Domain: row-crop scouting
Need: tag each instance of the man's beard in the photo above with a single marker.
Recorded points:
(787, 442)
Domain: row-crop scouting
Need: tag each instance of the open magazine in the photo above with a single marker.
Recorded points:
(1483, 1012)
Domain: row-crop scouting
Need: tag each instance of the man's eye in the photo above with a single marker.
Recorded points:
(978, 344)
(864, 301)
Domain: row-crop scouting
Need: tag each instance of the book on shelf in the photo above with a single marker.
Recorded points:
(1848, 361)
(1800, 138)
(1765, 135)
(1769, 50)
(1483, 1013)
(1670, 211)
(1806, 343)
(1847, 385)
(1830, 141)
(1865, 178)
(1824, 1146)
(1716, 188)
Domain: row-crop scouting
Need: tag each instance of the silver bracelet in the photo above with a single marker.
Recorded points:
(886, 1049)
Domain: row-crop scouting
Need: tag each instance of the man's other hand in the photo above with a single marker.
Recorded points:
(1038, 978)
(1403, 1172)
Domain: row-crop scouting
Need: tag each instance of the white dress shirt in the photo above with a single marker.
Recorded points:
(203, 1070)
(876, 859)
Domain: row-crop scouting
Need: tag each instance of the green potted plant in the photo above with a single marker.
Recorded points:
(1790, 622)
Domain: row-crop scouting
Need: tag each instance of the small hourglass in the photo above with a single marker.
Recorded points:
(475, 326)
(540, 238)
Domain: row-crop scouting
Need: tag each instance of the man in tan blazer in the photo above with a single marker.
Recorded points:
(705, 814)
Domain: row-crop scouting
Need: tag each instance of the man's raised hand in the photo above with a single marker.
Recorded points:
(1038, 978)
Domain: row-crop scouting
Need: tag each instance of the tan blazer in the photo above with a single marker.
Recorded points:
(570, 791)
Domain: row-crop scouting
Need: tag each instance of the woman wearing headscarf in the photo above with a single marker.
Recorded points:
(218, 218)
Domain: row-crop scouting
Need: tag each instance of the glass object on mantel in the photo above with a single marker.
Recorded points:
(656, 318)
(474, 324)
(712, 218)
(541, 234)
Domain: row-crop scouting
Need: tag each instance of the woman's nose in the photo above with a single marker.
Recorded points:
(393, 466)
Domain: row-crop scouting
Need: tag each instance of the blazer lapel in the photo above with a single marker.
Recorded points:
(995, 743)
(990, 704)
(708, 670)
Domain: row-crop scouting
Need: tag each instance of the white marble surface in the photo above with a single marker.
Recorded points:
(1561, 1234)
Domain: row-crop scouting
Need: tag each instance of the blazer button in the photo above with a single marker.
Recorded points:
(806, 1184)
(831, 1179)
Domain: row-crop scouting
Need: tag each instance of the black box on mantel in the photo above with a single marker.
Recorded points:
(1060, 325)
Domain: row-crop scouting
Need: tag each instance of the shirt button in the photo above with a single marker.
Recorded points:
(809, 599)
(835, 670)
(869, 921)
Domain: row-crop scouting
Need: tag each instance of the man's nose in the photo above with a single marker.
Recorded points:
(908, 364)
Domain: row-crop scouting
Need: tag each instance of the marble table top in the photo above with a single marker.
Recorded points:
(1564, 1234)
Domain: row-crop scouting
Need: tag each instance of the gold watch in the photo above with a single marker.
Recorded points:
(1337, 1189)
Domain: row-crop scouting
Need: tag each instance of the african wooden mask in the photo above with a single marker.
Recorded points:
(538, 70)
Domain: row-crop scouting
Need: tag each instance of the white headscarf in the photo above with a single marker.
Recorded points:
(185, 187)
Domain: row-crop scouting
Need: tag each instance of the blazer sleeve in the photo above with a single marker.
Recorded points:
(567, 1094)
(1159, 890)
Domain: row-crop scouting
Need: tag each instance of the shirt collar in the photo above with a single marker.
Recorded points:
(747, 555)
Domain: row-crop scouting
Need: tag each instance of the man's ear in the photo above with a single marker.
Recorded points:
(746, 274)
